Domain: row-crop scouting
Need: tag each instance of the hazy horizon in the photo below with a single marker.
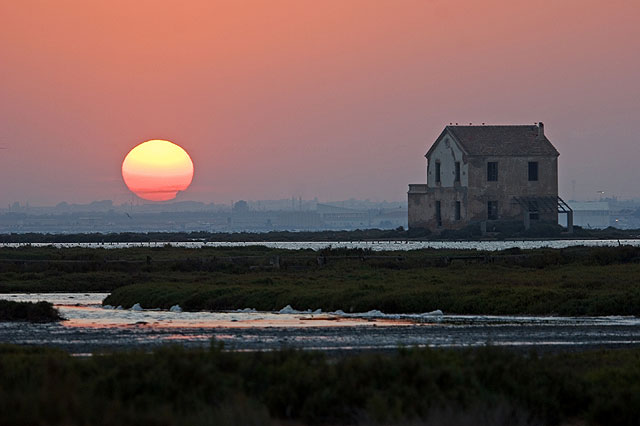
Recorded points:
(293, 202)
(138, 202)
(331, 100)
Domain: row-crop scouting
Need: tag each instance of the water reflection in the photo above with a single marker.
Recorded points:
(372, 245)
(90, 327)
(84, 310)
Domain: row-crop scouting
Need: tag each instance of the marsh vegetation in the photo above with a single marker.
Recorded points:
(177, 386)
(573, 281)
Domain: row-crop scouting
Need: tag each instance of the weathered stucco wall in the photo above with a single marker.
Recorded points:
(422, 207)
(513, 181)
(447, 152)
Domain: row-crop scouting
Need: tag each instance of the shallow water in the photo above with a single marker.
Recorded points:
(89, 327)
(373, 245)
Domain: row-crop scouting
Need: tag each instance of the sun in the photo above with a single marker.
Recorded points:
(157, 170)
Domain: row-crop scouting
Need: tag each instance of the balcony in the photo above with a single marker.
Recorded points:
(418, 188)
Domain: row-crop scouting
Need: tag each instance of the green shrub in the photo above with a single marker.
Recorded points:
(28, 311)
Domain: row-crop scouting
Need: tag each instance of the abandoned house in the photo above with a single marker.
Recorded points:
(485, 174)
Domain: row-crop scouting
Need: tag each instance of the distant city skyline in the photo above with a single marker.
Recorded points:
(293, 203)
(260, 216)
(331, 99)
(254, 216)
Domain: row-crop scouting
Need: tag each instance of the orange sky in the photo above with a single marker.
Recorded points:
(333, 99)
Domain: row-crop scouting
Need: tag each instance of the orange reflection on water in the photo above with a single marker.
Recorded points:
(96, 317)
(190, 337)
(298, 321)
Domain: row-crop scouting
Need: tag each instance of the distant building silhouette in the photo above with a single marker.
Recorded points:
(240, 207)
(252, 216)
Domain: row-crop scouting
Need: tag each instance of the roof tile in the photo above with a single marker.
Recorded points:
(513, 140)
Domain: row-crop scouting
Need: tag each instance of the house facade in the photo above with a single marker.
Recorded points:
(484, 174)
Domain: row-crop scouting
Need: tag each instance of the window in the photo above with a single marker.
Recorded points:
(492, 171)
(534, 213)
(438, 214)
(492, 210)
(457, 178)
(533, 170)
(457, 210)
(437, 172)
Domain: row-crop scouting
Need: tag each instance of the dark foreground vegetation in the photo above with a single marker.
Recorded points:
(176, 386)
(28, 311)
(572, 281)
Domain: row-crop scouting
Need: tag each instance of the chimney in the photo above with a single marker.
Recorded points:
(541, 129)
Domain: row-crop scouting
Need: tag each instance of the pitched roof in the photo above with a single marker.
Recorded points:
(511, 140)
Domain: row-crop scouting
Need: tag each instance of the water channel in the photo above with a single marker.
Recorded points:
(90, 327)
(372, 245)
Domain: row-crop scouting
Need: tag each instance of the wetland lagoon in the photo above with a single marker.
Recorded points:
(296, 333)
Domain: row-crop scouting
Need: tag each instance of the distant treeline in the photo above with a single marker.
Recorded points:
(472, 232)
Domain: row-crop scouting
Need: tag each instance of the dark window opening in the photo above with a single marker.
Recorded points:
(492, 171)
(438, 214)
(437, 172)
(492, 210)
(533, 170)
(457, 210)
(457, 179)
(534, 213)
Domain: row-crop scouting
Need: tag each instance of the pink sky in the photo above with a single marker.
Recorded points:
(333, 99)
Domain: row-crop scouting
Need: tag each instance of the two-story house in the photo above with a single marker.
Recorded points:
(487, 173)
